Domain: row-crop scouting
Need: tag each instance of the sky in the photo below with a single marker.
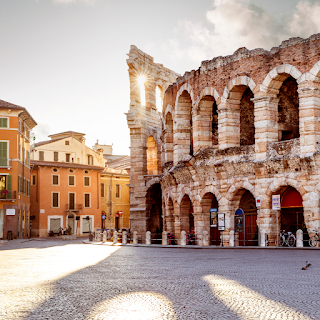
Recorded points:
(65, 60)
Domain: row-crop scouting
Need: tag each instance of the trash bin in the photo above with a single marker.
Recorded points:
(9, 235)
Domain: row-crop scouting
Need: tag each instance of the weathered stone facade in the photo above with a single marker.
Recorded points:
(240, 127)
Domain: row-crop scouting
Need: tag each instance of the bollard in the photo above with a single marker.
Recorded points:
(299, 238)
(115, 237)
(91, 236)
(164, 238)
(183, 240)
(231, 238)
(205, 241)
(98, 236)
(263, 238)
(135, 237)
(148, 238)
(104, 236)
(124, 237)
(109, 235)
(200, 240)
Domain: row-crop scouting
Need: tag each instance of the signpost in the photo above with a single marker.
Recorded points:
(239, 221)
(276, 205)
(221, 224)
(258, 205)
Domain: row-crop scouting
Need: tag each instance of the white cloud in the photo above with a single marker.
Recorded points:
(89, 2)
(238, 23)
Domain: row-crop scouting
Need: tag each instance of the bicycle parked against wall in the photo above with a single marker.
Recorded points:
(286, 239)
(315, 239)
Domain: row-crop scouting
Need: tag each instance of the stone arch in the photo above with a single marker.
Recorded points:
(185, 87)
(237, 82)
(236, 187)
(278, 74)
(168, 137)
(183, 127)
(207, 91)
(170, 109)
(210, 189)
(152, 181)
(154, 208)
(186, 213)
(185, 191)
(315, 71)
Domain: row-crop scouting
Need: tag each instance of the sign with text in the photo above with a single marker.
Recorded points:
(221, 221)
(276, 205)
(10, 212)
(258, 202)
(214, 217)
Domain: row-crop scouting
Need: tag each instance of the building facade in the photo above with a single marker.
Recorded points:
(15, 127)
(240, 128)
(65, 186)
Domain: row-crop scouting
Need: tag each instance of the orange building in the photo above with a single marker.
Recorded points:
(65, 186)
(15, 126)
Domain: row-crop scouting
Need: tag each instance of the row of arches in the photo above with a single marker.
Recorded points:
(245, 113)
(196, 216)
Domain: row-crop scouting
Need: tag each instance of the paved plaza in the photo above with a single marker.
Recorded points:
(55, 279)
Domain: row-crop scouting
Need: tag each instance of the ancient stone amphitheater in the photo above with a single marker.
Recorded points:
(240, 128)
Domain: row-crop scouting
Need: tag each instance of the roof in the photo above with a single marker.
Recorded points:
(41, 143)
(66, 134)
(25, 115)
(114, 171)
(64, 165)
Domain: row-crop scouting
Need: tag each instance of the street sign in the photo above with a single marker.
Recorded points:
(221, 221)
(276, 205)
(258, 202)
(239, 212)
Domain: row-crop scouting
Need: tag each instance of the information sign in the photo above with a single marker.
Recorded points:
(213, 217)
(276, 202)
(221, 221)
(258, 202)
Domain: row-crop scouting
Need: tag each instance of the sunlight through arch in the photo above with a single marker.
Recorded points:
(142, 80)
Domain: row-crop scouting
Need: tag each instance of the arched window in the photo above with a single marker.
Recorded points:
(141, 81)
(169, 138)
(152, 163)
(159, 98)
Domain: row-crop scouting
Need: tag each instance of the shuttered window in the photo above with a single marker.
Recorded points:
(55, 199)
(3, 122)
(55, 156)
(87, 200)
(71, 181)
(86, 181)
(41, 155)
(102, 190)
(3, 154)
(55, 179)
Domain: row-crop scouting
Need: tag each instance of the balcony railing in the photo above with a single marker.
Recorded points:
(75, 207)
(6, 195)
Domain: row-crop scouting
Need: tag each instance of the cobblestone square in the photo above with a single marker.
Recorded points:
(54, 279)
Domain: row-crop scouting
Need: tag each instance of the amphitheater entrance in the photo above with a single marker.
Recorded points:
(154, 213)
(291, 214)
(186, 215)
(246, 228)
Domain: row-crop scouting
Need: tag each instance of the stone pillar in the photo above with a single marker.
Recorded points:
(231, 238)
(183, 241)
(124, 237)
(135, 237)
(164, 238)
(229, 125)
(299, 239)
(201, 222)
(104, 236)
(148, 238)
(263, 239)
(115, 237)
(309, 114)
(109, 235)
(205, 241)
(266, 123)
(200, 240)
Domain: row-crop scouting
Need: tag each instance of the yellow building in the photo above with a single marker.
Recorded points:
(115, 199)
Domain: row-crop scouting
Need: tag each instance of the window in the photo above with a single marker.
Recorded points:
(34, 180)
(19, 151)
(90, 159)
(72, 180)
(66, 143)
(55, 156)
(67, 157)
(3, 154)
(117, 190)
(55, 170)
(87, 200)
(19, 125)
(20, 185)
(86, 181)
(41, 155)
(5, 187)
(55, 199)
(71, 171)
(28, 158)
(28, 188)
(72, 201)
(102, 190)
(55, 179)
(3, 122)
(24, 186)
(23, 154)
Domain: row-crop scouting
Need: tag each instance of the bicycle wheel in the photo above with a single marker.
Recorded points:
(313, 241)
(291, 240)
(282, 241)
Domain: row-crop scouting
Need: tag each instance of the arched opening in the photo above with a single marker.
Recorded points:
(169, 138)
(169, 218)
(154, 212)
(291, 214)
(186, 214)
(246, 228)
(141, 82)
(159, 98)
(288, 110)
(210, 205)
(152, 152)
(206, 125)
(247, 130)
(183, 135)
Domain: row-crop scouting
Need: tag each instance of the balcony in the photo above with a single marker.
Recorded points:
(73, 207)
(6, 195)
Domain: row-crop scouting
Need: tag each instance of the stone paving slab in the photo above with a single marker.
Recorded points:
(54, 279)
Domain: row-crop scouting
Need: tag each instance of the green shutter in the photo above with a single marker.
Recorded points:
(3, 122)
(3, 154)
(9, 183)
